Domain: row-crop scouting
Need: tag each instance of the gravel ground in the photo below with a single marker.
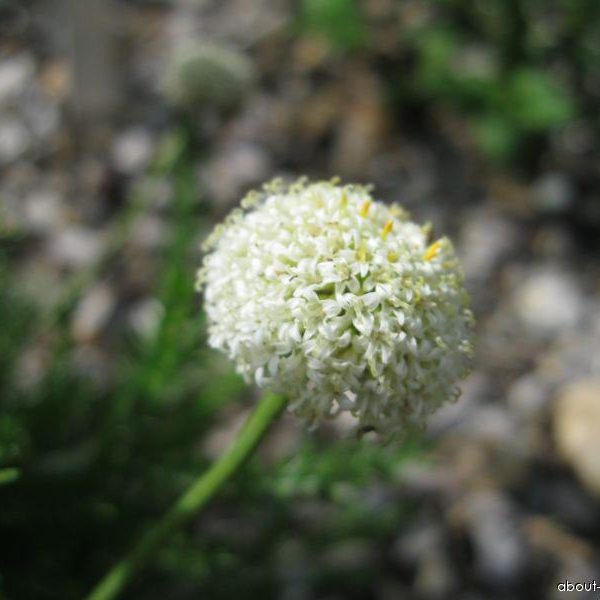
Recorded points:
(511, 501)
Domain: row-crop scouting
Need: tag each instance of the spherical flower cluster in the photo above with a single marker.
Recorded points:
(321, 293)
(208, 75)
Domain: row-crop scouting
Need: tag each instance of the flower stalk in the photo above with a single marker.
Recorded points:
(195, 498)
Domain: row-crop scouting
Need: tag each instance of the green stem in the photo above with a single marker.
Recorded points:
(205, 487)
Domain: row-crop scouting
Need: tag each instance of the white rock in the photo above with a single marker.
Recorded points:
(548, 302)
(14, 140)
(132, 151)
(92, 313)
(577, 429)
(16, 74)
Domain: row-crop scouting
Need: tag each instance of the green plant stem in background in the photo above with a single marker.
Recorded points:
(170, 154)
(195, 498)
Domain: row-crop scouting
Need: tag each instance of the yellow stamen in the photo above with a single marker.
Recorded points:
(433, 250)
(387, 229)
(364, 209)
(344, 200)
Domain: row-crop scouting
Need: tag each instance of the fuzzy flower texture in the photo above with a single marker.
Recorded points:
(321, 293)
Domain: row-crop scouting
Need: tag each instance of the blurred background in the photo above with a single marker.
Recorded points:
(128, 129)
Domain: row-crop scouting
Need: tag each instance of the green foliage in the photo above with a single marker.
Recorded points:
(317, 470)
(337, 21)
(515, 71)
(533, 103)
(86, 465)
(8, 476)
(496, 136)
(529, 103)
(462, 69)
(347, 474)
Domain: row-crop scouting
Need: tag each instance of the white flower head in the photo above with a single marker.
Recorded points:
(321, 293)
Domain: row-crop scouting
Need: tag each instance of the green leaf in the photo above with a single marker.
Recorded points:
(8, 475)
(535, 103)
(496, 136)
(436, 50)
(339, 21)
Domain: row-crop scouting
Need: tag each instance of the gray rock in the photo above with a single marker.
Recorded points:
(498, 544)
(148, 232)
(486, 238)
(436, 576)
(554, 242)
(553, 193)
(452, 416)
(93, 363)
(415, 543)
(44, 211)
(76, 247)
(40, 281)
(576, 354)
(528, 396)
(234, 169)
(424, 550)
(43, 119)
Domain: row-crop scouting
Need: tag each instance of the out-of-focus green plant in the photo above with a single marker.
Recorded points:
(529, 103)
(504, 105)
(337, 21)
(376, 374)
(78, 457)
(317, 471)
(87, 465)
(515, 71)
(207, 75)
